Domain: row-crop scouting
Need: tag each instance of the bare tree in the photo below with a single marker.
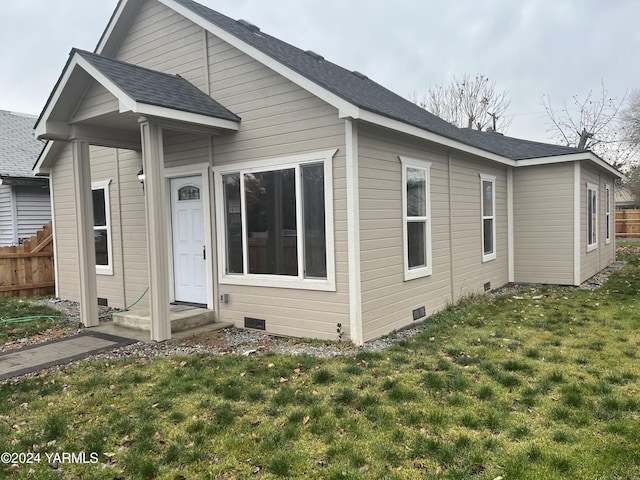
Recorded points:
(632, 180)
(593, 123)
(471, 102)
(631, 117)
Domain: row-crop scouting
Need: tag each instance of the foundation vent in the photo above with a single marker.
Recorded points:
(487, 286)
(419, 313)
(257, 323)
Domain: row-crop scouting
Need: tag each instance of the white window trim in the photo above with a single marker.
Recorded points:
(418, 272)
(104, 185)
(607, 204)
(592, 246)
(488, 178)
(278, 281)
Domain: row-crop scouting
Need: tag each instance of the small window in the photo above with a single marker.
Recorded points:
(488, 207)
(592, 217)
(102, 227)
(608, 215)
(417, 218)
(189, 192)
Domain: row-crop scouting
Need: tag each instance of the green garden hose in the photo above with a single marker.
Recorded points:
(69, 317)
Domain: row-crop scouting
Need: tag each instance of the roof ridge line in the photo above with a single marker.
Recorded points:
(158, 72)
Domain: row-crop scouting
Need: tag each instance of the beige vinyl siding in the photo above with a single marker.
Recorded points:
(103, 168)
(66, 240)
(97, 101)
(470, 273)
(163, 40)
(543, 224)
(603, 255)
(131, 211)
(33, 208)
(129, 261)
(280, 119)
(388, 300)
(6, 216)
(182, 149)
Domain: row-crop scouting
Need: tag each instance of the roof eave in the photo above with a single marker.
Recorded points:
(187, 117)
(572, 157)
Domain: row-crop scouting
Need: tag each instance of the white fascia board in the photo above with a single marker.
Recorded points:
(41, 127)
(39, 167)
(115, 19)
(126, 102)
(402, 127)
(276, 66)
(177, 115)
(573, 157)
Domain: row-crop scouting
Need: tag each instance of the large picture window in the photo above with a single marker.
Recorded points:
(416, 218)
(102, 227)
(278, 227)
(592, 217)
(488, 207)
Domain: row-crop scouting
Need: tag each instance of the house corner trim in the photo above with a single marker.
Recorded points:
(576, 223)
(353, 232)
(510, 227)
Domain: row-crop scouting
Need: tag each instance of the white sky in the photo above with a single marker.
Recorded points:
(529, 47)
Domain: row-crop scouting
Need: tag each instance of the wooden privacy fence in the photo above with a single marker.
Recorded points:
(27, 269)
(627, 224)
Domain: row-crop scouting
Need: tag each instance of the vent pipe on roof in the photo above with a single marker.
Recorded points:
(248, 25)
(315, 55)
(360, 75)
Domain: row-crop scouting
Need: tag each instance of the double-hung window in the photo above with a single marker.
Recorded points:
(488, 207)
(608, 215)
(416, 209)
(102, 227)
(276, 222)
(592, 217)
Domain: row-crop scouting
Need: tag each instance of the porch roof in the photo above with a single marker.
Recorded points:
(139, 91)
(151, 87)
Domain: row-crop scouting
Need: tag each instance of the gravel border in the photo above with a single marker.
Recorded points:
(238, 341)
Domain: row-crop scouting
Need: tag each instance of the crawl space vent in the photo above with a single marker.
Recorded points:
(256, 323)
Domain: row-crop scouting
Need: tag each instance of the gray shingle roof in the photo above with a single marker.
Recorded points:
(19, 148)
(368, 95)
(156, 88)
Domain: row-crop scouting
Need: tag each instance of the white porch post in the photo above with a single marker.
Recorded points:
(157, 229)
(86, 242)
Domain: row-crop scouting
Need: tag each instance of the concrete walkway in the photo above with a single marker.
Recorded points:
(56, 352)
(89, 342)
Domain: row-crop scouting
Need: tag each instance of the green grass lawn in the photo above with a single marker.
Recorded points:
(16, 321)
(540, 384)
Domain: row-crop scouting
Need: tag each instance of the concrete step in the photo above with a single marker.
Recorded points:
(182, 318)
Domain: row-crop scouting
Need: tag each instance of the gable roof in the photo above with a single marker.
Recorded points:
(364, 93)
(150, 87)
(18, 145)
(353, 94)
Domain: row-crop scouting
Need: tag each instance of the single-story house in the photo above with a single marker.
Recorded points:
(284, 192)
(25, 205)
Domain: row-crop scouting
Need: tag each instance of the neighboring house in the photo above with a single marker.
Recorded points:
(625, 199)
(285, 192)
(25, 205)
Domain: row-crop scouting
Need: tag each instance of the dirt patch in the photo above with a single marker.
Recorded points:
(628, 249)
(220, 339)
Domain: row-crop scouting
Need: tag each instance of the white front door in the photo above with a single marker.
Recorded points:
(187, 223)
